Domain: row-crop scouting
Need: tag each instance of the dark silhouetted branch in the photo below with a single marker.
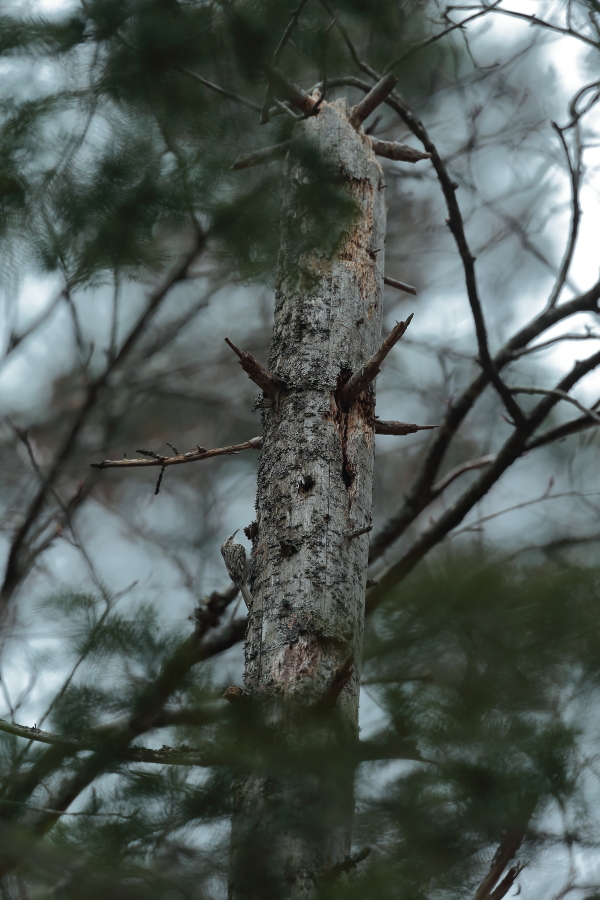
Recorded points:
(165, 756)
(399, 285)
(399, 152)
(262, 156)
(255, 372)
(373, 99)
(369, 370)
(165, 461)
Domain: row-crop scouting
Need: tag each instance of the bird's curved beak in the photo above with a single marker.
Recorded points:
(234, 533)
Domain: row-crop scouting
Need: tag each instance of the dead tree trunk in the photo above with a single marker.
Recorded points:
(314, 491)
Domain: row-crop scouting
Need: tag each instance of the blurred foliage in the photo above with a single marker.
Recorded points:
(485, 676)
(112, 149)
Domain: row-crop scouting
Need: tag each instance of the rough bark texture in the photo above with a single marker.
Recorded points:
(314, 487)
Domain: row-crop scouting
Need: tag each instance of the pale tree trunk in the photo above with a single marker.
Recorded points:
(314, 488)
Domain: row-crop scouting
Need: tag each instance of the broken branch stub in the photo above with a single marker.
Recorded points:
(399, 428)
(372, 100)
(257, 373)
(369, 370)
(288, 90)
(399, 152)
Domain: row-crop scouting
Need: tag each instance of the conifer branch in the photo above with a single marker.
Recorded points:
(455, 473)
(265, 115)
(520, 389)
(369, 370)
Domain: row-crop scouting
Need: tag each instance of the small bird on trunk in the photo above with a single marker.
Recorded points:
(235, 561)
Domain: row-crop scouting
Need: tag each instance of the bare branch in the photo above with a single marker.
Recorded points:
(165, 756)
(297, 97)
(419, 494)
(165, 461)
(399, 285)
(574, 167)
(373, 99)
(436, 37)
(455, 473)
(341, 678)
(219, 90)
(534, 20)
(399, 152)
(265, 115)
(262, 156)
(370, 369)
(502, 857)
(14, 569)
(514, 447)
(588, 336)
(255, 372)
(399, 428)
(519, 389)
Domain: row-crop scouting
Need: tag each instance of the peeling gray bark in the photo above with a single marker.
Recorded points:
(314, 487)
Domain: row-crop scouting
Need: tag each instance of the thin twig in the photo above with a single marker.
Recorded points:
(219, 90)
(574, 167)
(534, 20)
(164, 756)
(436, 37)
(513, 448)
(370, 369)
(165, 461)
(265, 116)
(520, 389)
(455, 473)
